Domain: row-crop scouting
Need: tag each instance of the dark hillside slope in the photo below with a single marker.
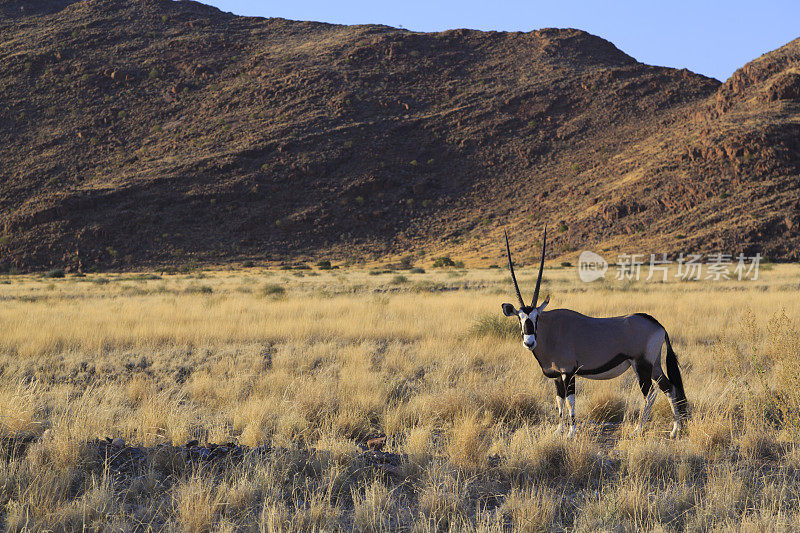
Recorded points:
(152, 131)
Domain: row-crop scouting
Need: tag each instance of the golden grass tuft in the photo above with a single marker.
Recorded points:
(530, 510)
(468, 442)
(19, 404)
(606, 406)
(372, 507)
(197, 504)
(535, 453)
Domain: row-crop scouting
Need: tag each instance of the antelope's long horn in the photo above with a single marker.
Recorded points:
(541, 268)
(511, 268)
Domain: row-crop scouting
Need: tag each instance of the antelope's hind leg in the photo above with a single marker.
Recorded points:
(668, 388)
(560, 397)
(644, 371)
(569, 385)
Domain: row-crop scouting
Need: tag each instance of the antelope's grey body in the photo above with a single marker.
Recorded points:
(568, 344)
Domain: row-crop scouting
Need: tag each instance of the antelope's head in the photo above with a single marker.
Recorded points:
(528, 315)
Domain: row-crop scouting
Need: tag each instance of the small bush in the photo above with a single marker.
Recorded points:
(324, 265)
(55, 273)
(145, 277)
(198, 289)
(248, 264)
(442, 262)
(491, 325)
(566, 264)
(273, 289)
(399, 279)
(417, 270)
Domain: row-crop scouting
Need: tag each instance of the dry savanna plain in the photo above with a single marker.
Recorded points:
(105, 378)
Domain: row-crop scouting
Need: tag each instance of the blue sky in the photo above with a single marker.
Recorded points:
(709, 37)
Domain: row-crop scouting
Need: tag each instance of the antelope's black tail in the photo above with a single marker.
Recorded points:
(674, 375)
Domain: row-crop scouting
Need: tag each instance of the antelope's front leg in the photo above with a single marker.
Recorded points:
(569, 385)
(561, 392)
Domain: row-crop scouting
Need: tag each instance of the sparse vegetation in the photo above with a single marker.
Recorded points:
(156, 362)
(273, 289)
(443, 262)
(55, 273)
(195, 288)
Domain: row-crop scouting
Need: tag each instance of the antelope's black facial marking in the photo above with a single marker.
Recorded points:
(529, 320)
(527, 327)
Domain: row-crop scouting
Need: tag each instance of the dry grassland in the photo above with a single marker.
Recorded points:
(312, 363)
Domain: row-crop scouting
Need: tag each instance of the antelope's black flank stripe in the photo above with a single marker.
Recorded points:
(615, 362)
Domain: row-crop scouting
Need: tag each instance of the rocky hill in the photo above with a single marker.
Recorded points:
(147, 132)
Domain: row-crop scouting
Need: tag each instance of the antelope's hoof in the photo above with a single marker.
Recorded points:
(559, 430)
(676, 431)
(571, 432)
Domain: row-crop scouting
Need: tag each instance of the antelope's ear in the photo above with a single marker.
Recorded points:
(544, 304)
(509, 310)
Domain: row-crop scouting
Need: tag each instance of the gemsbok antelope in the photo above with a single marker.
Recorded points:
(568, 344)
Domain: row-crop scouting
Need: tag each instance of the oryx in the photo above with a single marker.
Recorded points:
(568, 344)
